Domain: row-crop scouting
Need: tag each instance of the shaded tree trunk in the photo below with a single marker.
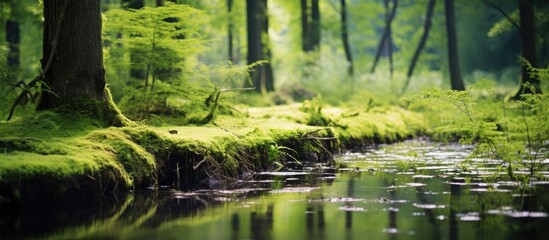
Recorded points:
(268, 78)
(258, 46)
(73, 59)
(528, 44)
(306, 44)
(13, 37)
(315, 25)
(385, 42)
(345, 37)
(255, 46)
(230, 29)
(422, 41)
(390, 35)
(456, 81)
(135, 72)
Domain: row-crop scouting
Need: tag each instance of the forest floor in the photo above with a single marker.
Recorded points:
(49, 154)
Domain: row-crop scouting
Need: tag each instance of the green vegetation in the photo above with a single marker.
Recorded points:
(182, 114)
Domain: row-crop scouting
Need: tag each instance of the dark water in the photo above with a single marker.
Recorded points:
(414, 190)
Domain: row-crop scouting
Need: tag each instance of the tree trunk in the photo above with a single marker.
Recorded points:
(528, 41)
(268, 78)
(390, 34)
(456, 81)
(306, 44)
(315, 25)
(255, 46)
(345, 37)
(13, 37)
(385, 42)
(135, 72)
(422, 41)
(73, 60)
(230, 28)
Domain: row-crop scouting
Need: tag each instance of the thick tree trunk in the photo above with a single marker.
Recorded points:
(73, 59)
(422, 41)
(385, 38)
(13, 37)
(255, 46)
(456, 81)
(345, 37)
(528, 41)
(315, 25)
(306, 44)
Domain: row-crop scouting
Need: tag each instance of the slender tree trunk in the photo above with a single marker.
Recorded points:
(315, 25)
(255, 46)
(456, 81)
(345, 37)
(73, 59)
(230, 28)
(136, 72)
(13, 37)
(390, 34)
(306, 44)
(528, 41)
(268, 78)
(385, 37)
(422, 41)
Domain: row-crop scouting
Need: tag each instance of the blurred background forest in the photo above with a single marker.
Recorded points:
(181, 60)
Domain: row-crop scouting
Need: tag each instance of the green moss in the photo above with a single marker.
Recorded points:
(76, 152)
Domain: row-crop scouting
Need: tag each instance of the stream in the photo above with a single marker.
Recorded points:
(412, 190)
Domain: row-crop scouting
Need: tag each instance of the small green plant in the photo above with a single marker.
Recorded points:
(278, 155)
(514, 132)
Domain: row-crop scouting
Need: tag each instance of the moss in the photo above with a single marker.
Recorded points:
(77, 153)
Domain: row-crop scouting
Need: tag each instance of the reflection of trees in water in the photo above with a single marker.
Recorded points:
(349, 214)
(455, 195)
(392, 211)
(312, 210)
(261, 225)
(429, 213)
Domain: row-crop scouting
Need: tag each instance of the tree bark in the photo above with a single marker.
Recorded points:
(230, 29)
(315, 25)
(268, 78)
(456, 81)
(345, 37)
(255, 46)
(528, 44)
(306, 44)
(73, 59)
(422, 41)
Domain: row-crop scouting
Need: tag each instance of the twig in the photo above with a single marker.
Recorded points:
(199, 163)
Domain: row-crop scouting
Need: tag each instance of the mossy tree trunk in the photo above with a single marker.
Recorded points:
(73, 60)
(456, 81)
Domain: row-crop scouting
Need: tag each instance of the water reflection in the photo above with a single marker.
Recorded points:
(377, 201)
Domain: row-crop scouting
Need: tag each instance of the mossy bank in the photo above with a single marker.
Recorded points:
(51, 154)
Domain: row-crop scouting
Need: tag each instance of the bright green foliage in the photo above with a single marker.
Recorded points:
(161, 37)
(514, 132)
